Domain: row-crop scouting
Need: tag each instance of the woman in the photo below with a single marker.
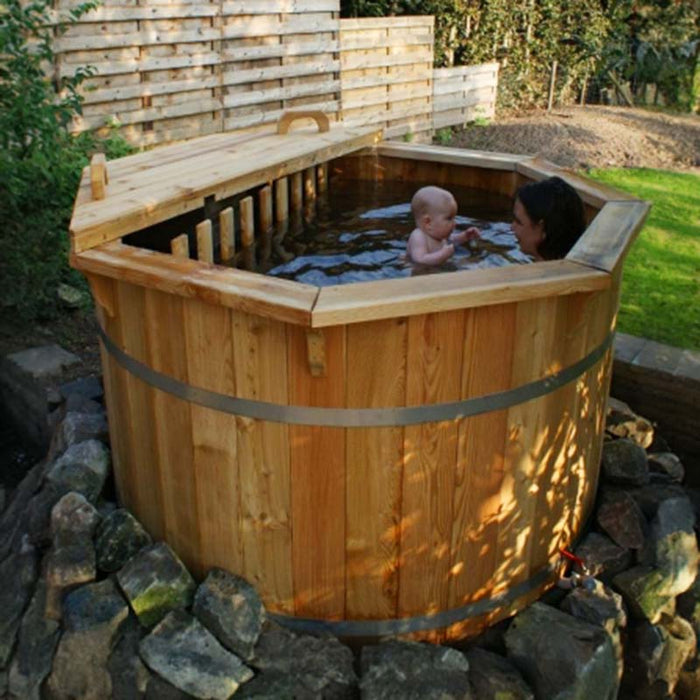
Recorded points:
(548, 218)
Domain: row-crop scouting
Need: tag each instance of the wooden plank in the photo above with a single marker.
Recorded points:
(365, 301)
(149, 89)
(453, 156)
(293, 70)
(591, 192)
(322, 177)
(227, 234)
(296, 191)
(264, 7)
(475, 569)
(247, 221)
(269, 51)
(267, 117)
(319, 476)
(611, 234)
(145, 65)
(180, 246)
(281, 200)
(175, 187)
(376, 378)
(102, 41)
(269, 297)
(255, 97)
(205, 244)
(309, 185)
(208, 333)
(163, 322)
(434, 372)
(290, 24)
(265, 208)
(387, 22)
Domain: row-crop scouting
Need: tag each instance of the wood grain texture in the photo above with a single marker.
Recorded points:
(319, 477)
(209, 350)
(260, 362)
(434, 362)
(376, 377)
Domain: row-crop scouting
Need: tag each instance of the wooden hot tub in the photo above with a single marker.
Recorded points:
(395, 457)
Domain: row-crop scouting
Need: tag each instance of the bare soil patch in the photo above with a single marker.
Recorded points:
(593, 137)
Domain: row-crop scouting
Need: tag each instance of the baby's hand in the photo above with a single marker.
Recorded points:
(471, 234)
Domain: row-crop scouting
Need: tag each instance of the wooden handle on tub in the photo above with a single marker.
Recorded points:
(98, 176)
(287, 118)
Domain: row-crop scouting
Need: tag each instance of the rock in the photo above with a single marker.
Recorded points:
(90, 453)
(89, 387)
(655, 656)
(45, 361)
(77, 403)
(688, 686)
(413, 671)
(672, 546)
(119, 537)
(14, 516)
(72, 518)
(644, 591)
(651, 496)
(493, 677)
(562, 657)
(231, 609)
(69, 296)
(37, 520)
(159, 689)
(603, 557)
(128, 673)
(183, 652)
(322, 666)
(600, 606)
(37, 640)
(93, 615)
(669, 464)
(624, 462)
(155, 582)
(688, 604)
(622, 519)
(79, 427)
(79, 478)
(622, 422)
(71, 560)
(18, 575)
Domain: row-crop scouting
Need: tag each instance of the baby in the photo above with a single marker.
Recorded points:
(432, 241)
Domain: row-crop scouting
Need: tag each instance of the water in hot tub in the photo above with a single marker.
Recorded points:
(358, 231)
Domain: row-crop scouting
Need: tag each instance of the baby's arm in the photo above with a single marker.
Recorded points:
(417, 250)
(472, 233)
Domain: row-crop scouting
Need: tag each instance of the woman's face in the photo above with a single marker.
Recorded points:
(530, 234)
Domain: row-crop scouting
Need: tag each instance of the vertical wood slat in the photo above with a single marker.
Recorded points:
(209, 349)
(376, 377)
(227, 238)
(309, 185)
(296, 193)
(318, 463)
(180, 246)
(205, 244)
(534, 340)
(164, 312)
(434, 362)
(247, 222)
(260, 362)
(265, 204)
(146, 490)
(281, 200)
(477, 500)
(322, 177)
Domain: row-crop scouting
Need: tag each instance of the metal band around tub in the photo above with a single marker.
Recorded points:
(420, 623)
(354, 417)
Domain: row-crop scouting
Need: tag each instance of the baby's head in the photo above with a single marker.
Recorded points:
(434, 210)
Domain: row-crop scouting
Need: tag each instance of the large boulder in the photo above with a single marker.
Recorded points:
(562, 657)
(186, 654)
(119, 537)
(155, 582)
(414, 671)
(493, 677)
(231, 609)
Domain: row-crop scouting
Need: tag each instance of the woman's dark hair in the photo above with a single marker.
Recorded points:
(559, 206)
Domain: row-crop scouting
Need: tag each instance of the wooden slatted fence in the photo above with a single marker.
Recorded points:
(387, 73)
(171, 71)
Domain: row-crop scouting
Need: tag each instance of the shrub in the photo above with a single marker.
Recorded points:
(40, 160)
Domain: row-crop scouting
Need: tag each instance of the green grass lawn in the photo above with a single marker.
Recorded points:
(661, 281)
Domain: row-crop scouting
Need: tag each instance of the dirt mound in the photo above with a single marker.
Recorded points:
(594, 137)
